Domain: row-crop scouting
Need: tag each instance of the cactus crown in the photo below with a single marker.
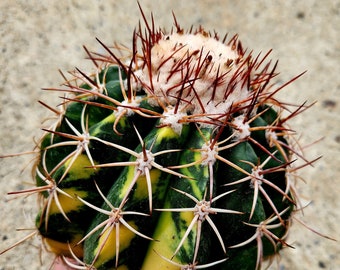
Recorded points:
(161, 156)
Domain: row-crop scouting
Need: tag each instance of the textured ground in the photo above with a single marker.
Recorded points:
(39, 37)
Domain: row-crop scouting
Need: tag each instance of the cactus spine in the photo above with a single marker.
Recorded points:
(177, 156)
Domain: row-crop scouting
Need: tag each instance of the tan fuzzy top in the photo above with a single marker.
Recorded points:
(197, 69)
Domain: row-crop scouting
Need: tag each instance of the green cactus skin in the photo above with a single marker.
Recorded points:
(179, 158)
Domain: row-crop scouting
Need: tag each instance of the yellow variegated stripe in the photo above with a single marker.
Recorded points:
(165, 230)
(108, 243)
(165, 133)
(167, 238)
(131, 171)
(68, 204)
(62, 248)
(122, 124)
(141, 191)
(80, 168)
(185, 220)
(108, 120)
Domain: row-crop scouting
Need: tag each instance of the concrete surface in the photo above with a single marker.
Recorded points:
(39, 37)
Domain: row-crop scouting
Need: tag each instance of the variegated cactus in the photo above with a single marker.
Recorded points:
(176, 154)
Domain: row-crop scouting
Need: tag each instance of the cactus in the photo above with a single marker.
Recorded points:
(176, 155)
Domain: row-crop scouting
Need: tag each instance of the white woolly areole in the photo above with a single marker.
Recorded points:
(256, 176)
(172, 119)
(271, 137)
(242, 128)
(208, 154)
(125, 104)
(191, 63)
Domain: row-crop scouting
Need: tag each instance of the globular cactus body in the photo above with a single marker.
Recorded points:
(175, 157)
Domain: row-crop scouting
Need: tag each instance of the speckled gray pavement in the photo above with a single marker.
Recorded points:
(39, 37)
